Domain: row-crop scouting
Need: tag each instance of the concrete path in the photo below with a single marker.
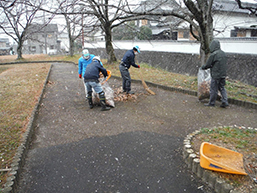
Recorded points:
(135, 147)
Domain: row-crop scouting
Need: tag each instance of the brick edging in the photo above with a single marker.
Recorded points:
(193, 162)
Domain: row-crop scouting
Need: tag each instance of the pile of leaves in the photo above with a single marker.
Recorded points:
(119, 95)
(204, 90)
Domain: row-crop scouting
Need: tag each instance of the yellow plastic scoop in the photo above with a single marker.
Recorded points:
(220, 159)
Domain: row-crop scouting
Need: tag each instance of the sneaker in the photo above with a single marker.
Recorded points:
(223, 105)
(209, 105)
(105, 108)
(130, 92)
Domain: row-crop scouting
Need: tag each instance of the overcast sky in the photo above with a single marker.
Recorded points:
(249, 1)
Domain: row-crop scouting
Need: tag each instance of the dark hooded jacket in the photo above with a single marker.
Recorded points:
(217, 61)
(92, 71)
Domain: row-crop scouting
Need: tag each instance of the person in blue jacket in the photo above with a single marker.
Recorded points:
(91, 77)
(84, 60)
(128, 60)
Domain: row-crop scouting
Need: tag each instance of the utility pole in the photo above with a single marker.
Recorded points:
(45, 34)
(82, 31)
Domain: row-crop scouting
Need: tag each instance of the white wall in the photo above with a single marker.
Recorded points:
(230, 46)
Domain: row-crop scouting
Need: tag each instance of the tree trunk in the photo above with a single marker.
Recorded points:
(206, 36)
(71, 46)
(19, 50)
(71, 40)
(108, 45)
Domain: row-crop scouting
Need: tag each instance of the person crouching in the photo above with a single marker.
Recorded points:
(91, 77)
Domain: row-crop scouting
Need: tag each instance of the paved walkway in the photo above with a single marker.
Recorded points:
(135, 147)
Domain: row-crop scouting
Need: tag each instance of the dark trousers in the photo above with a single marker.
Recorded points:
(218, 85)
(126, 80)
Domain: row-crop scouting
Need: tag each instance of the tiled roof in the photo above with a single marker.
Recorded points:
(227, 6)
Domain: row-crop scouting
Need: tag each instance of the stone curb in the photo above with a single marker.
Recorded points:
(194, 93)
(209, 177)
(19, 159)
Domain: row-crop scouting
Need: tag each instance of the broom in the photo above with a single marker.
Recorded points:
(144, 84)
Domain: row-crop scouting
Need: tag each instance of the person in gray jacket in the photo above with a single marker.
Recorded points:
(217, 62)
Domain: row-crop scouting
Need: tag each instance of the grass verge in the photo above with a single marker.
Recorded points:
(21, 85)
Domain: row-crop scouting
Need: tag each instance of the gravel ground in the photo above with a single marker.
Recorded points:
(134, 147)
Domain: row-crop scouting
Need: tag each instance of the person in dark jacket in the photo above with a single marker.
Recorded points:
(128, 60)
(217, 62)
(91, 77)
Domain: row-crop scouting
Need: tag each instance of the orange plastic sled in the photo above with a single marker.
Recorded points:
(220, 159)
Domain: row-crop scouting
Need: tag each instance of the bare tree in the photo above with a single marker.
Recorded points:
(251, 7)
(92, 14)
(110, 14)
(76, 20)
(17, 17)
(198, 14)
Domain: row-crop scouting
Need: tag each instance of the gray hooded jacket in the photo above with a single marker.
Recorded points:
(217, 61)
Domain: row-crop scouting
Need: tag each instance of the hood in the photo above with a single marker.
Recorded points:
(215, 45)
(97, 58)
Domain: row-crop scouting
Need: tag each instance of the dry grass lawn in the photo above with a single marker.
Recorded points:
(21, 86)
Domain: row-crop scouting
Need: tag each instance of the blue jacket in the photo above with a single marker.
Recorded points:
(83, 64)
(93, 70)
(129, 59)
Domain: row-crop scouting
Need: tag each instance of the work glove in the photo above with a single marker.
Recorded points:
(138, 66)
(80, 76)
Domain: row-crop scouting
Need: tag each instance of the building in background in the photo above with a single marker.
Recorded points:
(228, 22)
(163, 27)
(43, 40)
(5, 48)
